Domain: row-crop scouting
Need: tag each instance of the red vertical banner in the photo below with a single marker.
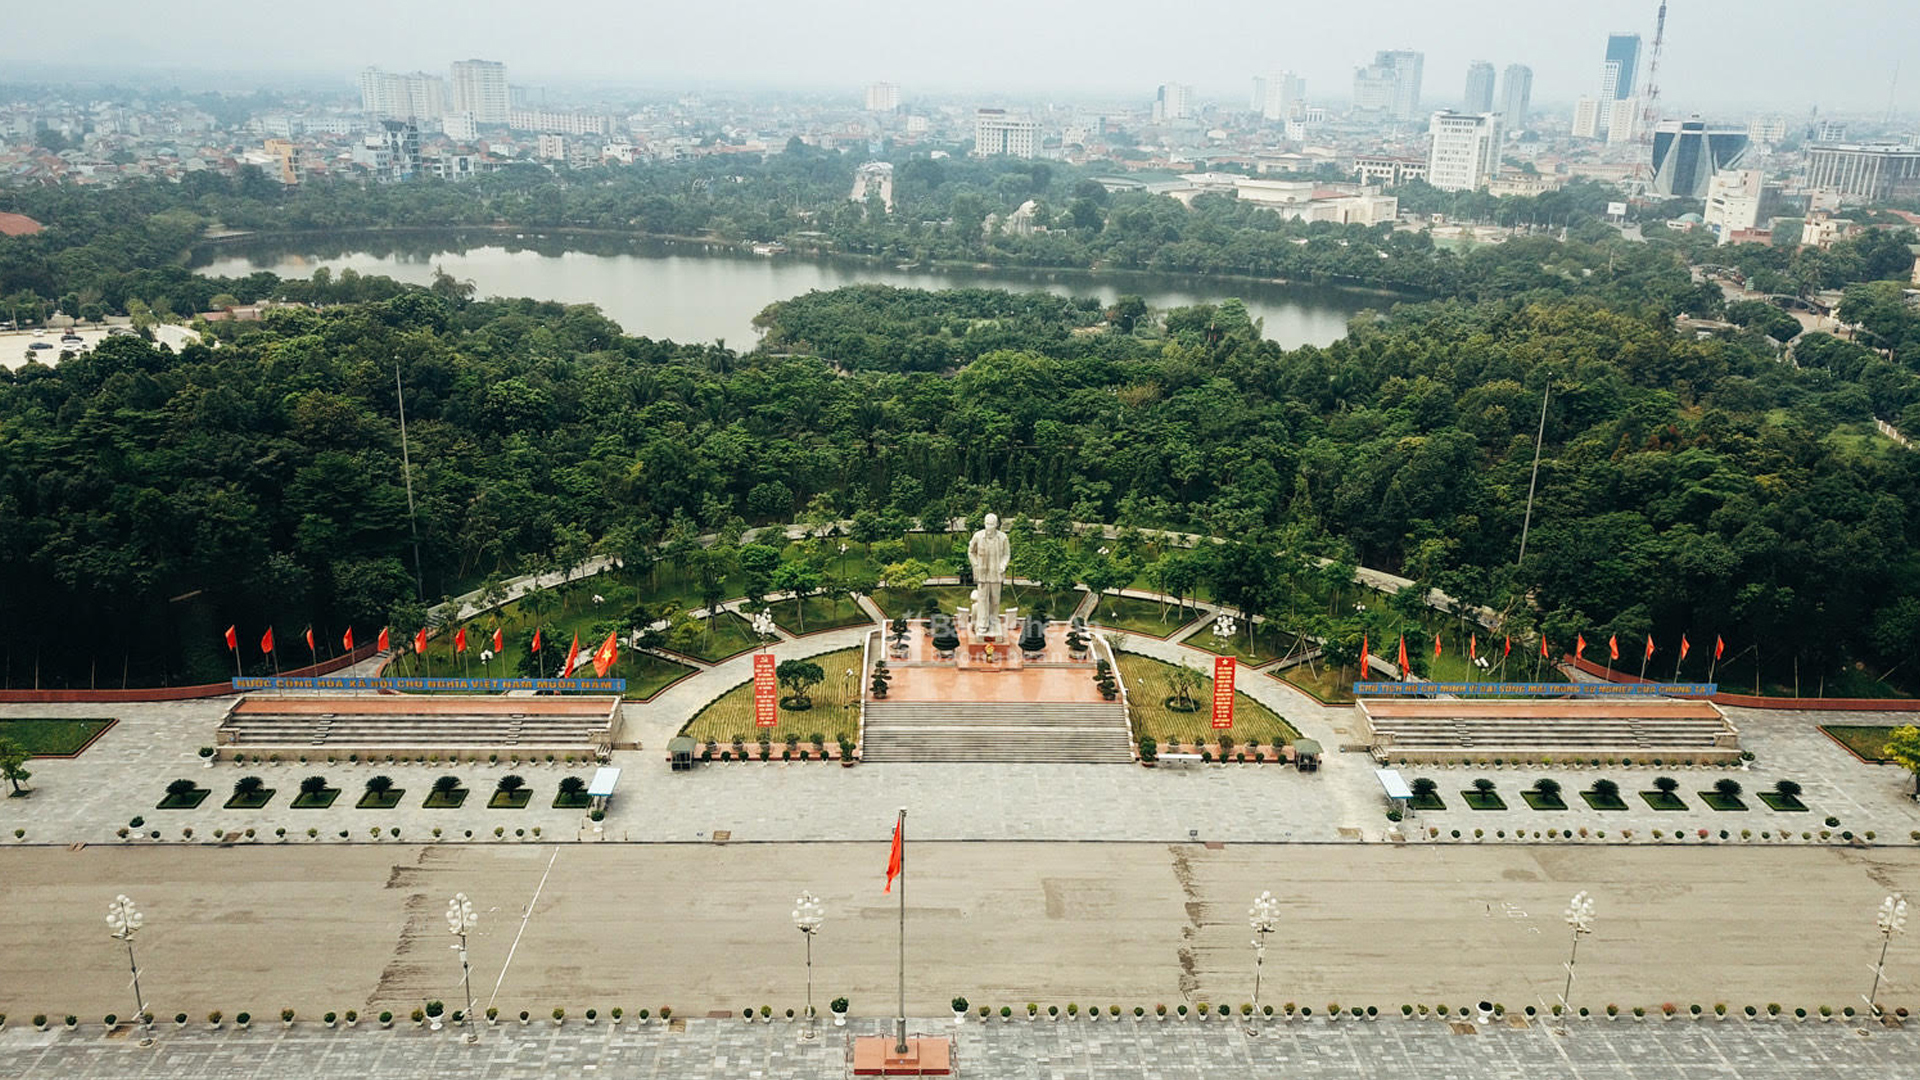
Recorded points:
(1223, 668)
(766, 711)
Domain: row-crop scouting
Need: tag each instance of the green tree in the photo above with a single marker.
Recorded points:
(1903, 749)
(800, 677)
(13, 765)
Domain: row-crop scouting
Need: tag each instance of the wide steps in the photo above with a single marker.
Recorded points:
(1083, 732)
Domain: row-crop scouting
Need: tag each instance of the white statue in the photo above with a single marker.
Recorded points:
(989, 553)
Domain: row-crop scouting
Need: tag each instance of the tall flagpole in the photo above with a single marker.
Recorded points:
(1533, 479)
(406, 469)
(900, 1023)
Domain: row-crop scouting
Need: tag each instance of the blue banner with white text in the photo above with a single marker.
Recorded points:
(426, 685)
(1534, 689)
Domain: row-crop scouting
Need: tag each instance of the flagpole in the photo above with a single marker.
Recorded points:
(900, 1022)
(406, 470)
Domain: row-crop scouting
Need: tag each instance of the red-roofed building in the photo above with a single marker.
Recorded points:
(19, 225)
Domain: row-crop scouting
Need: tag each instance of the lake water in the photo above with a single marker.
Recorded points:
(694, 292)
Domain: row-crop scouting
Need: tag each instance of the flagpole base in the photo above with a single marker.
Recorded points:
(926, 1055)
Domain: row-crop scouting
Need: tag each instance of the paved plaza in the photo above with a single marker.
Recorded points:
(1593, 1050)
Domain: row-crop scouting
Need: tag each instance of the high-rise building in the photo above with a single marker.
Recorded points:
(1865, 172)
(1465, 150)
(995, 131)
(1479, 97)
(1406, 65)
(1258, 102)
(1733, 202)
(882, 97)
(1686, 154)
(480, 88)
(1516, 96)
(1373, 88)
(386, 95)
(1283, 93)
(1767, 129)
(1621, 68)
(460, 127)
(1586, 118)
(1172, 101)
(1622, 120)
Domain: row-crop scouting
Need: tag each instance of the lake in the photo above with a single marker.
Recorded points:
(694, 292)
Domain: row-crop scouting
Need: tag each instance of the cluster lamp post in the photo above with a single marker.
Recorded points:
(123, 921)
(460, 922)
(1579, 916)
(1892, 920)
(1261, 916)
(808, 914)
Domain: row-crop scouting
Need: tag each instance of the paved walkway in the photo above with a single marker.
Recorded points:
(728, 1049)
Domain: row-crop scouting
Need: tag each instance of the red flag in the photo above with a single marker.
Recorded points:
(420, 640)
(1649, 648)
(572, 655)
(233, 640)
(899, 853)
(1580, 646)
(1404, 669)
(383, 643)
(536, 639)
(1543, 647)
(1436, 646)
(1719, 647)
(460, 640)
(1363, 656)
(346, 639)
(605, 655)
(1509, 651)
(1473, 646)
(310, 647)
(1613, 647)
(1683, 646)
(499, 641)
(266, 641)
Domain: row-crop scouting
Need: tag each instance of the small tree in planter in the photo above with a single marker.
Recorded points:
(881, 677)
(838, 1006)
(386, 1018)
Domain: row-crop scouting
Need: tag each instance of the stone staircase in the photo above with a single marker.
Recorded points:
(1084, 732)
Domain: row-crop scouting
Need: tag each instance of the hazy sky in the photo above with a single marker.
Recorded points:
(1722, 56)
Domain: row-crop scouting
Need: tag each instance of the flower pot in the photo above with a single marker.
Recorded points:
(433, 1023)
(959, 1017)
(839, 1019)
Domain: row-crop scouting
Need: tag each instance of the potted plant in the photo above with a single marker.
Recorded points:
(1181, 1012)
(179, 1020)
(386, 1018)
(838, 1006)
(640, 1018)
(286, 1017)
(1073, 1011)
(1160, 1013)
(353, 1018)
(1033, 1011)
(1053, 1014)
(559, 1016)
(435, 1010)
(1139, 1014)
(419, 1017)
(524, 1018)
(592, 1015)
(329, 1019)
(40, 1021)
(241, 1021)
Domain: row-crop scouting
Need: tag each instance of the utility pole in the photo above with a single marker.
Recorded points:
(406, 468)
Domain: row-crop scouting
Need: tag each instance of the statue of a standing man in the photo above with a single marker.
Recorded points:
(989, 552)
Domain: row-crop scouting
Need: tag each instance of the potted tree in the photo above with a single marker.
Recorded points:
(838, 1006)
(959, 1011)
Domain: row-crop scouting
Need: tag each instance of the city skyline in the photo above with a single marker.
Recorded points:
(1706, 65)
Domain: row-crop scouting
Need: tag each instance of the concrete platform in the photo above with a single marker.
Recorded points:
(880, 1055)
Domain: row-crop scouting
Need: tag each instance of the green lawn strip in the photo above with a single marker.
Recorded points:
(1268, 644)
(647, 674)
(1490, 800)
(821, 614)
(1868, 742)
(187, 802)
(510, 800)
(1600, 802)
(1329, 686)
(1540, 800)
(249, 802)
(1786, 804)
(1427, 802)
(835, 702)
(1138, 616)
(51, 736)
(1147, 691)
(318, 801)
(445, 800)
(1660, 800)
(375, 800)
(721, 636)
(1721, 802)
(564, 801)
(898, 602)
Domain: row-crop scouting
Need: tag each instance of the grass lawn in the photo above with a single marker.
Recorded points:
(250, 802)
(1427, 802)
(898, 602)
(1660, 800)
(186, 802)
(50, 736)
(1786, 804)
(834, 710)
(1268, 644)
(1601, 802)
(377, 800)
(646, 674)
(445, 800)
(721, 637)
(1142, 616)
(564, 801)
(1334, 686)
(1722, 802)
(319, 800)
(510, 800)
(1540, 800)
(1865, 740)
(820, 614)
(1147, 691)
(1487, 800)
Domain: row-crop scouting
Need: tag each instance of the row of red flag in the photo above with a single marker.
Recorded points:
(603, 657)
(1580, 648)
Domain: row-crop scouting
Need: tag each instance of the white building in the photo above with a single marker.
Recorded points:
(1516, 96)
(1389, 171)
(882, 97)
(480, 88)
(564, 123)
(1308, 200)
(550, 148)
(1586, 119)
(875, 178)
(1733, 201)
(1622, 120)
(1172, 101)
(1465, 150)
(1479, 96)
(995, 132)
(1769, 130)
(1283, 94)
(386, 95)
(460, 127)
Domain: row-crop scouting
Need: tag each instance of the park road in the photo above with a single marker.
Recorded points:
(318, 927)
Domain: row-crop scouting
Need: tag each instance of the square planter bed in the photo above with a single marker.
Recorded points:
(375, 800)
(510, 800)
(572, 802)
(250, 802)
(185, 802)
(1598, 803)
(1660, 800)
(1427, 802)
(1786, 804)
(1542, 801)
(1488, 801)
(319, 800)
(1721, 802)
(445, 800)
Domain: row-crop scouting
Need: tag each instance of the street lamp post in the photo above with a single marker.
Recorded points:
(763, 627)
(123, 921)
(1892, 919)
(1579, 916)
(1261, 916)
(808, 914)
(460, 922)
